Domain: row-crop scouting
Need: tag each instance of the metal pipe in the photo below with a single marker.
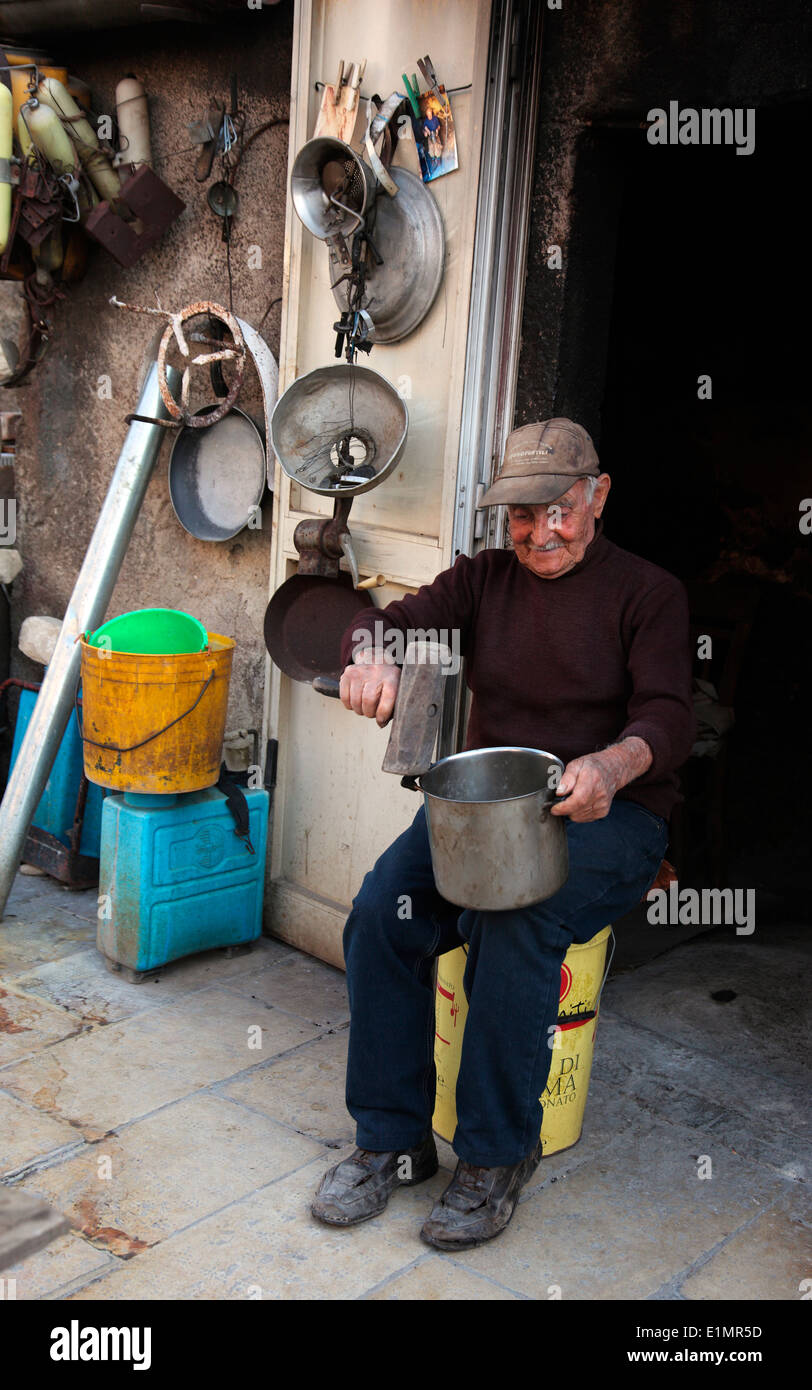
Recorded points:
(85, 611)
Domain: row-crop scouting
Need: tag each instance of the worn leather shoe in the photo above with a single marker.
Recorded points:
(359, 1187)
(477, 1204)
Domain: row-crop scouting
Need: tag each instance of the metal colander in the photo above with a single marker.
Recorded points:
(330, 187)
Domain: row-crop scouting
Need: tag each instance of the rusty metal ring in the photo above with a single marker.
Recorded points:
(181, 411)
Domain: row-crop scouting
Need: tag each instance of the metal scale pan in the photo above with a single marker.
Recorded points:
(338, 431)
(408, 234)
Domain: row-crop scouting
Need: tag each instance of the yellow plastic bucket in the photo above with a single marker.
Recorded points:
(564, 1097)
(155, 724)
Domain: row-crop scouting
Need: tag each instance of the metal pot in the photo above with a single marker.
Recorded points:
(494, 843)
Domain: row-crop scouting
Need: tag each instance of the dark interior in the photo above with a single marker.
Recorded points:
(709, 276)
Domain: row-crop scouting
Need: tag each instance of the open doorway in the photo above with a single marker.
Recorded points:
(708, 274)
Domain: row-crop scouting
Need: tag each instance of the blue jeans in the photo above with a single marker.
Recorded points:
(399, 923)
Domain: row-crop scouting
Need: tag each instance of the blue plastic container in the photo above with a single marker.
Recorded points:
(57, 805)
(174, 878)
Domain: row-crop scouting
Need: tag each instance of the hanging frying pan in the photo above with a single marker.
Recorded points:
(305, 621)
(217, 476)
(339, 431)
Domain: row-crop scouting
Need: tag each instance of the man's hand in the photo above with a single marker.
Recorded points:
(594, 779)
(370, 688)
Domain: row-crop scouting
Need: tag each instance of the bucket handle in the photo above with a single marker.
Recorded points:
(112, 747)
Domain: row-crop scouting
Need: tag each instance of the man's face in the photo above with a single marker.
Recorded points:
(552, 537)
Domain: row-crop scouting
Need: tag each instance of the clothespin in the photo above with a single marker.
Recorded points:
(347, 97)
(412, 95)
(339, 104)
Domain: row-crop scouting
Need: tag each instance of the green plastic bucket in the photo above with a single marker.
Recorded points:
(151, 631)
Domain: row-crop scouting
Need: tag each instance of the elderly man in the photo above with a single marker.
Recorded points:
(574, 646)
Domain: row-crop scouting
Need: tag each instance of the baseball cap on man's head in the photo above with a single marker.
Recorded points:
(541, 461)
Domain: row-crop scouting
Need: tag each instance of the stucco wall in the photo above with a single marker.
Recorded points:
(70, 438)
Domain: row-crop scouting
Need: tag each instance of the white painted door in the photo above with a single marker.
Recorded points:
(335, 811)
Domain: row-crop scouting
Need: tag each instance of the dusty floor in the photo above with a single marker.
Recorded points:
(185, 1158)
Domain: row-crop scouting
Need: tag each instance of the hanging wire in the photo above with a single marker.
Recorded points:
(325, 441)
(228, 266)
(351, 393)
(71, 185)
(278, 300)
(449, 91)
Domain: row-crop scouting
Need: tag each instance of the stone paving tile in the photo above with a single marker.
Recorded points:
(439, 1278)
(81, 982)
(303, 986)
(26, 1134)
(83, 902)
(168, 1171)
(25, 887)
(672, 996)
(58, 903)
(25, 943)
(27, 1024)
(116, 1073)
(609, 1116)
(60, 1264)
(305, 1090)
(621, 1226)
(268, 1246)
(768, 1260)
(622, 1214)
(761, 1115)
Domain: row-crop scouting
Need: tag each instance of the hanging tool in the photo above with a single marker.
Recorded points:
(206, 133)
(222, 199)
(355, 326)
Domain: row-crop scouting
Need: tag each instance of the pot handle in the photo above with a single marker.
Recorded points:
(326, 685)
(557, 800)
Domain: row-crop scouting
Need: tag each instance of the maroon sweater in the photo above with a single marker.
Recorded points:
(569, 665)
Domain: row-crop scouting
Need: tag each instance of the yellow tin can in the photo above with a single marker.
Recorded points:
(564, 1097)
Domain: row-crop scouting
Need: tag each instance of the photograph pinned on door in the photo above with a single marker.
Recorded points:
(432, 124)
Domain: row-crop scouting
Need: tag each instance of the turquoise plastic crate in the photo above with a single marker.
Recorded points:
(57, 805)
(174, 878)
